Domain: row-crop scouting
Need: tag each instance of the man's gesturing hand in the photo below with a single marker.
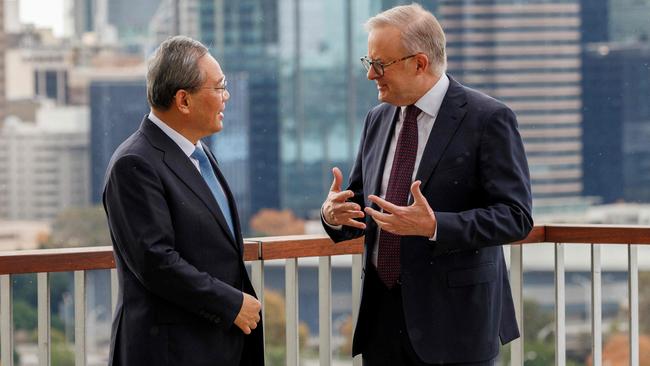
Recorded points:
(416, 219)
(336, 211)
(249, 314)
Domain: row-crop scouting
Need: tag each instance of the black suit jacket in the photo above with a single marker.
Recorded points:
(455, 291)
(181, 273)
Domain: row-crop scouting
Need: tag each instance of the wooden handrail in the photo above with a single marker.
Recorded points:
(298, 246)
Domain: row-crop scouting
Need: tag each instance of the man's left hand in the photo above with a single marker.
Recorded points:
(416, 219)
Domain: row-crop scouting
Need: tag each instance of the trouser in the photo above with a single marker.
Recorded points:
(387, 342)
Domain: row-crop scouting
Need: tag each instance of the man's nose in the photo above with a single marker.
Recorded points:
(372, 74)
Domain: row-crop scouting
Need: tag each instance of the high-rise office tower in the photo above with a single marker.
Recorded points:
(231, 145)
(616, 84)
(243, 36)
(324, 95)
(628, 20)
(117, 106)
(527, 54)
(173, 17)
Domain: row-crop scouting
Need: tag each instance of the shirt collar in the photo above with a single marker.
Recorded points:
(430, 102)
(186, 145)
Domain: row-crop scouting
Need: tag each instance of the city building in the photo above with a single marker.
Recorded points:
(118, 103)
(173, 17)
(527, 54)
(243, 36)
(231, 146)
(3, 47)
(22, 235)
(324, 96)
(616, 127)
(44, 164)
(37, 66)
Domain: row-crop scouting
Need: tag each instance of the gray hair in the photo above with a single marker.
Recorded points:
(420, 32)
(174, 66)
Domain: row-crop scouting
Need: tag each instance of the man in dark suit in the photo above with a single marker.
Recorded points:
(440, 182)
(184, 294)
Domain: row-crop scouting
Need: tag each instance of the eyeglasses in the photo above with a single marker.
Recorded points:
(221, 89)
(379, 66)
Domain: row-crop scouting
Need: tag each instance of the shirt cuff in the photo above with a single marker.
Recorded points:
(434, 237)
(334, 227)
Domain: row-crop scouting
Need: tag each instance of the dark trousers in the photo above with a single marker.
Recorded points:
(387, 342)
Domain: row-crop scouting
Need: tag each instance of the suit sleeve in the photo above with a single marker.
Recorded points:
(142, 231)
(505, 214)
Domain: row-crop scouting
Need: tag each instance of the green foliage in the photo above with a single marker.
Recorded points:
(535, 320)
(79, 227)
(275, 356)
(62, 354)
(25, 317)
(24, 292)
(274, 325)
(539, 354)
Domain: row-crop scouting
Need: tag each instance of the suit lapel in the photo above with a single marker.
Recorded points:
(449, 117)
(183, 168)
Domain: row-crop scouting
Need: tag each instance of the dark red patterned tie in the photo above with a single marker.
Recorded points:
(399, 185)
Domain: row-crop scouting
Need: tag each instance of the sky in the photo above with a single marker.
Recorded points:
(43, 13)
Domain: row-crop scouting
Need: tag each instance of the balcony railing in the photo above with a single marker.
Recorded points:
(290, 249)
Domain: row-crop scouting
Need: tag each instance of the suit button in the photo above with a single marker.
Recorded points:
(154, 331)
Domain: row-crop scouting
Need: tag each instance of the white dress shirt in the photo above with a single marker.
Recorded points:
(186, 145)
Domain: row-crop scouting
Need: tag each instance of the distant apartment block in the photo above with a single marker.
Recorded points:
(527, 54)
(44, 165)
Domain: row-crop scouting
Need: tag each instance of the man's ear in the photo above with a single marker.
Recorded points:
(182, 101)
(421, 62)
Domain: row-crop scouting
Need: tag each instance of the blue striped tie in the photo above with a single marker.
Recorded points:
(211, 179)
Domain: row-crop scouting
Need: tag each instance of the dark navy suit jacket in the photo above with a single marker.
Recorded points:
(181, 272)
(455, 292)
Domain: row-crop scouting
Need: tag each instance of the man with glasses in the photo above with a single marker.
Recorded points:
(184, 294)
(440, 182)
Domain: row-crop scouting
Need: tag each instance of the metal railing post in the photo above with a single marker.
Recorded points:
(633, 299)
(80, 318)
(516, 283)
(596, 306)
(325, 310)
(44, 348)
(6, 321)
(560, 318)
(291, 295)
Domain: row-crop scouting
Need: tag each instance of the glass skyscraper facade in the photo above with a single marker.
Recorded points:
(527, 54)
(243, 36)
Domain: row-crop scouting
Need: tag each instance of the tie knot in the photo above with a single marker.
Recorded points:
(199, 155)
(412, 113)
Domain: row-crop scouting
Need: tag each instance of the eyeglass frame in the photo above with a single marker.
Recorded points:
(371, 63)
(223, 88)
